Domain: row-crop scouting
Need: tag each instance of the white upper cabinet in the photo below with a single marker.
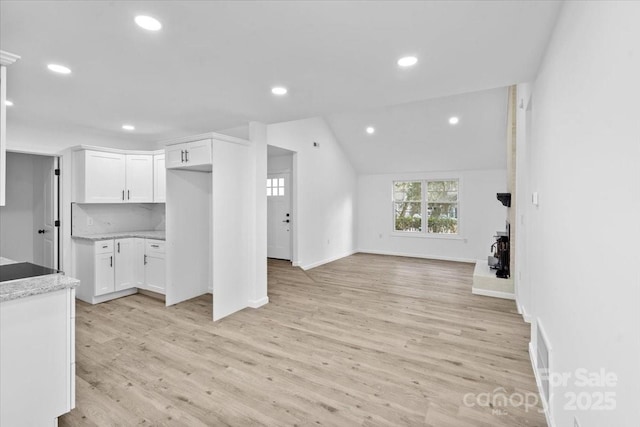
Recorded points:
(159, 178)
(103, 176)
(139, 178)
(100, 177)
(194, 155)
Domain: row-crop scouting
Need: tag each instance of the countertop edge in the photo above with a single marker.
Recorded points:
(62, 282)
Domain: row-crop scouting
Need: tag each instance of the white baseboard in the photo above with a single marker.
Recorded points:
(525, 316)
(423, 256)
(545, 407)
(108, 297)
(495, 294)
(324, 261)
(258, 302)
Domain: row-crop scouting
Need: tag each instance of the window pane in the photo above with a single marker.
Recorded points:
(442, 191)
(281, 191)
(408, 216)
(268, 191)
(268, 182)
(406, 191)
(281, 182)
(443, 218)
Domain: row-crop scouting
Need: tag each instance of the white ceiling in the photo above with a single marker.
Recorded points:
(213, 64)
(417, 137)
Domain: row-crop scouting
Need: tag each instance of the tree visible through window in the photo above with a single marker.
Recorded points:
(435, 200)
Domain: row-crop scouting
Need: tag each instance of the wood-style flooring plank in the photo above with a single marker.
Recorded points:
(366, 340)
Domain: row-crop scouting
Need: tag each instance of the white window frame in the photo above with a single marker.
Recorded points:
(424, 233)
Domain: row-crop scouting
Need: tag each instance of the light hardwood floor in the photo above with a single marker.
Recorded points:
(367, 340)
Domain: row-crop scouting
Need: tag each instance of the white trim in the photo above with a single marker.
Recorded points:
(208, 135)
(434, 257)
(115, 150)
(324, 261)
(495, 294)
(295, 264)
(256, 303)
(522, 311)
(8, 58)
(423, 235)
(545, 406)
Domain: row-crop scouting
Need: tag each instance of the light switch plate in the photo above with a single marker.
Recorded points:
(534, 198)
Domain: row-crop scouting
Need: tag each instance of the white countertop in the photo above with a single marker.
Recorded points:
(151, 234)
(22, 288)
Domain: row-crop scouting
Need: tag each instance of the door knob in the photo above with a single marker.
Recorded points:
(42, 231)
(286, 220)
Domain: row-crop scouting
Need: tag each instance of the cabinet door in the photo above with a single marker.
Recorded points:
(198, 153)
(104, 273)
(139, 174)
(104, 177)
(159, 179)
(154, 273)
(138, 262)
(125, 268)
(175, 156)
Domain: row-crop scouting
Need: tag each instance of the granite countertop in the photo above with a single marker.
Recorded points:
(22, 288)
(157, 235)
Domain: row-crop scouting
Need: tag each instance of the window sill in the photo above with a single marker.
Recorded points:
(421, 235)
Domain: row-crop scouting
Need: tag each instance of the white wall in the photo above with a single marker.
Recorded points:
(481, 215)
(583, 237)
(326, 190)
(28, 138)
(17, 217)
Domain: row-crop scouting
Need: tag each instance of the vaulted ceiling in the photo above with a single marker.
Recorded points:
(213, 63)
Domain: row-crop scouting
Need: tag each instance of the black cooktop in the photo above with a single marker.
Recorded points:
(23, 270)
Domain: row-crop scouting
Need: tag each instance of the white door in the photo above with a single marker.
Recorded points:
(104, 177)
(154, 272)
(125, 268)
(174, 156)
(139, 172)
(279, 217)
(104, 273)
(50, 231)
(198, 153)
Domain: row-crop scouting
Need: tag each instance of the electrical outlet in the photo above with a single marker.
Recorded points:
(89, 220)
(576, 423)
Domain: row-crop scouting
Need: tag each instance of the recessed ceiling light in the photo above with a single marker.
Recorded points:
(453, 120)
(279, 90)
(407, 61)
(128, 127)
(371, 130)
(59, 69)
(8, 103)
(148, 23)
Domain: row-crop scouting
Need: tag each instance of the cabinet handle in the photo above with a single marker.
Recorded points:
(122, 194)
(186, 155)
(128, 195)
(105, 247)
(111, 261)
(145, 260)
(181, 156)
(155, 246)
(118, 247)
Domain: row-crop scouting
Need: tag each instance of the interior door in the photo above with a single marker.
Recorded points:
(49, 230)
(279, 216)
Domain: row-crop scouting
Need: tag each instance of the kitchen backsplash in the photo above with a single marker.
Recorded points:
(111, 218)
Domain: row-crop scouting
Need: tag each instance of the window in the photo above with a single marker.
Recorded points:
(435, 200)
(275, 187)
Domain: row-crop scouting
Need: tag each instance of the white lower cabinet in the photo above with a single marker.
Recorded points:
(110, 269)
(154, 266)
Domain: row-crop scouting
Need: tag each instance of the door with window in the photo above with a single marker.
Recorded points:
(279, 218)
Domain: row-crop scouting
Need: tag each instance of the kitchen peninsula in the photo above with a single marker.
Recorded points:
(37, 346)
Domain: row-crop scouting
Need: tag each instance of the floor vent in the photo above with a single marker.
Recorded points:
(542, 361)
